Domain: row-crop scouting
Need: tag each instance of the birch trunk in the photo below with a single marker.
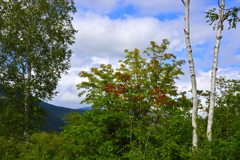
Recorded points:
(193, 77)
(214, 72)
(26, 105)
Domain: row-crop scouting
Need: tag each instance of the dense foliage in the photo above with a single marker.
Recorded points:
(128, 128)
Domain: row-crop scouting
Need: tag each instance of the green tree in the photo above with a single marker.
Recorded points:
(140, 88)
(34, 39)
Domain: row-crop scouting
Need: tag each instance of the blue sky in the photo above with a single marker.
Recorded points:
(107, 27)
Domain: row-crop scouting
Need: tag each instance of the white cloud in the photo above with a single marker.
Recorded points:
(101, 39)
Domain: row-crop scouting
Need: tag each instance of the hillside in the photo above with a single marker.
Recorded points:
(56, 117)
(60, 112)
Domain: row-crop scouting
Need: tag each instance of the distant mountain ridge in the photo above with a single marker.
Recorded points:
(87, 108)
(56, 117)
(60, 112)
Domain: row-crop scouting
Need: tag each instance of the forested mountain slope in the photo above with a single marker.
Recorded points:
(56, 117)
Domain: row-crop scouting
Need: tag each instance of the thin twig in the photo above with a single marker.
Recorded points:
(183, 2)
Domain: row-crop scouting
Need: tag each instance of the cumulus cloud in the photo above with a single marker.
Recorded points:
(103, 39)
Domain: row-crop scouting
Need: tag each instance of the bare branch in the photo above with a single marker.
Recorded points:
(225, 15)
(183, 2)
(185, 31)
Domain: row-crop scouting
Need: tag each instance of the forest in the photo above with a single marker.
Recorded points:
(137, 110)
(126, 130)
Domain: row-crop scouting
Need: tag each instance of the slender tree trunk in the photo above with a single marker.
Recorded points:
(214, 72)
(193, 76)
(140, 127)
(26, 105)
(26, 135)
(27, 95)
(131, 130)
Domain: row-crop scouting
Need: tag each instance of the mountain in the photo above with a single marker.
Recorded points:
(86, 108)
(56, 117)
(60, 112)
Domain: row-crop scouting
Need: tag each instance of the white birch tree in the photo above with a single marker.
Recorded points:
(34, 38)
(221, 17)
(193, 76)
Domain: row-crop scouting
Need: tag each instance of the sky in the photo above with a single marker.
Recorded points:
(107, 27)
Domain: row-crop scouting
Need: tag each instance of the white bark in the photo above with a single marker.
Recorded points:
(26, 94)
(193, 77)
(214, 72)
